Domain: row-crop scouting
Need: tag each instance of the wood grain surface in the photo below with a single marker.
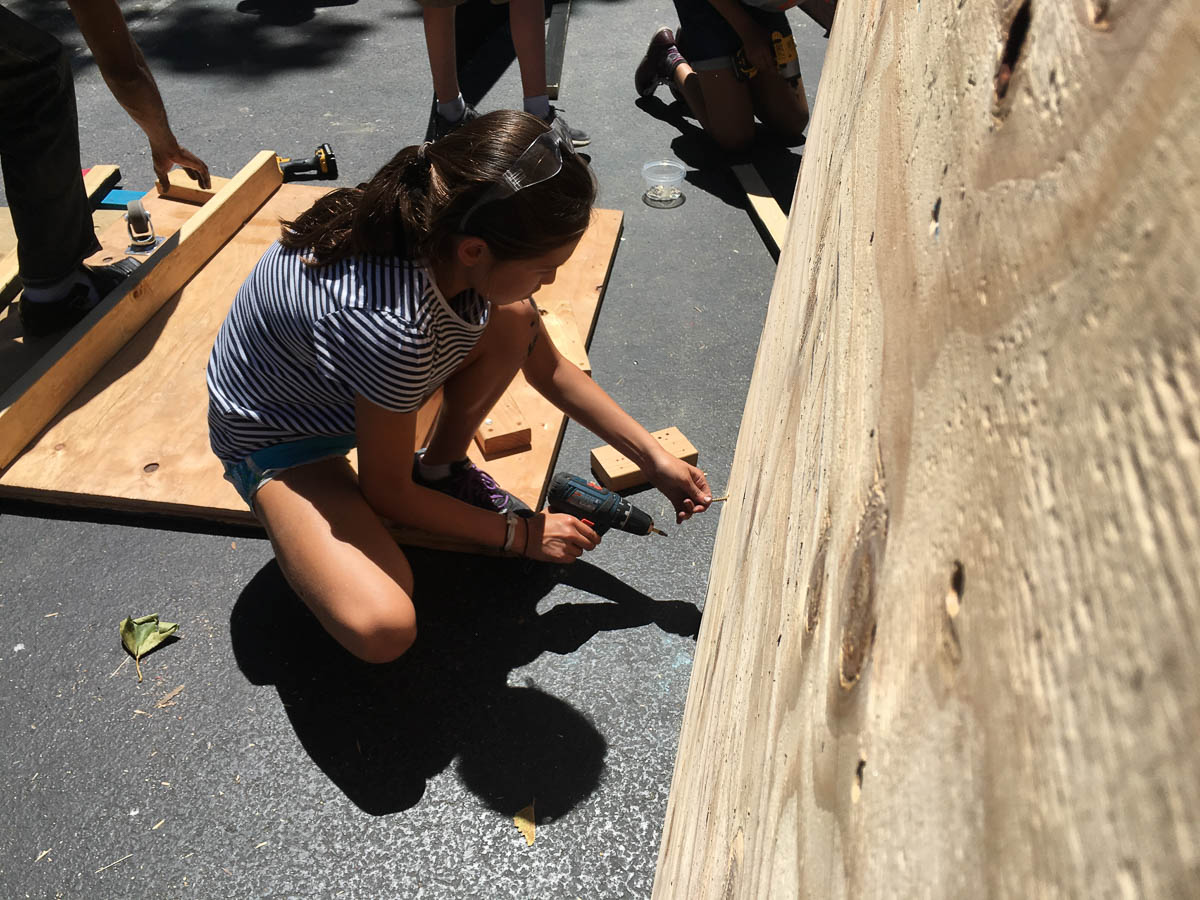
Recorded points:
(950, 644)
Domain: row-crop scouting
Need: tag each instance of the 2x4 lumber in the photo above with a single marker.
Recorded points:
(96, 183)
(763, 205)
(556, 45)
(30, 404)
(949, 641)
(618, 472)
(504, 430)
(180, 186)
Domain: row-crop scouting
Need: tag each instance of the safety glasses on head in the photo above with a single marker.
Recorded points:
(540, 161)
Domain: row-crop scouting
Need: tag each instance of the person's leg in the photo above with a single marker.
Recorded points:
(439, 45)
(781, 107)
(721, 103)
(778, 103)
(527, 21)
(39, 152)
(475, 387)
(340, 559)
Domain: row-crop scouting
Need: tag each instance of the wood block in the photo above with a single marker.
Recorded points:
(33, 401)
(505, 429)
(181, 187)
(763, 205)
(618, 472)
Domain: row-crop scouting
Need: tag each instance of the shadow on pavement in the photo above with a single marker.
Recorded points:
(217, 39)
(380, 732)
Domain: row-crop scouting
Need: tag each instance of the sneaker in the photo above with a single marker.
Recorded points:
(470, 484)
(443, 126)
(578, 137)
(657, 66)
(47, 317)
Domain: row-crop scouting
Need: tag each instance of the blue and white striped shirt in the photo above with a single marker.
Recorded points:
(299, 343)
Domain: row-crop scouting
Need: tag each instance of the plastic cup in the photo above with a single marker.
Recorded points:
(663, 178)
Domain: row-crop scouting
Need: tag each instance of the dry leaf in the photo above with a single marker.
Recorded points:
(143, 634)
(524, 821)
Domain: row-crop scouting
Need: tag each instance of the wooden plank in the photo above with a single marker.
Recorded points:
(505, 429)
(136, 438)
(564, 333)
(618, 472)
(763, 205)
(180, 186)
(949, 645)
(29, 404)
(556, 45)
(97, 181)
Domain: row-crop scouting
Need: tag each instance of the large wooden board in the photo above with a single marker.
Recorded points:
(136, 437)
(65, 368)
(950, 644)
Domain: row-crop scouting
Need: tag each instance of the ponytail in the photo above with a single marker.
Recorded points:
(413, 207)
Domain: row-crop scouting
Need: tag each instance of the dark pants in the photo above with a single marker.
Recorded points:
(39, 152)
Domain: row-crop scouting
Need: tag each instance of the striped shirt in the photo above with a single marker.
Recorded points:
(299, 343)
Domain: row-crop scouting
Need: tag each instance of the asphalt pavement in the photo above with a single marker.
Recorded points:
(283, 767)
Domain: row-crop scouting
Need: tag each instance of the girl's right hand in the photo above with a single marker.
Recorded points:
(558, 537)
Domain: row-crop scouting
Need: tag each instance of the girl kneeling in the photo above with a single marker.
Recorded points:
(370, 301)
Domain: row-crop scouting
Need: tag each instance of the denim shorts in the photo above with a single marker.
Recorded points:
(262, 465)
(708, 42)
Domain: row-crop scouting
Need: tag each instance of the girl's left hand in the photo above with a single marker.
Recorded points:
(684, 485)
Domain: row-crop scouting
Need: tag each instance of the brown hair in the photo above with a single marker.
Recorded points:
(414, 205)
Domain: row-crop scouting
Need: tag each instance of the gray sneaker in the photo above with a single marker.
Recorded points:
(443, 126)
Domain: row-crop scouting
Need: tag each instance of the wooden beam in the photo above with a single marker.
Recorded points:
(763, 205)
(505, 430)
(949, 645)
(97, 181)
(556, 45)
(180, 186)
(618, 472)
(29, 404)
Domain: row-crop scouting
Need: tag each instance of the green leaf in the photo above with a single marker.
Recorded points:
(143, 634)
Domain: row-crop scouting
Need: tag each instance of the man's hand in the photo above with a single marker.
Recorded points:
(174, 155)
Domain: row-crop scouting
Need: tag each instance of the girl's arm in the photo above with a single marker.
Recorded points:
(385, 478)
(563, 384)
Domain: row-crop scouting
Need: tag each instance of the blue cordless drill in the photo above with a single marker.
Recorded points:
(599, 507)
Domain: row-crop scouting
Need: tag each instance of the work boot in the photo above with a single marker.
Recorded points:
(470, 484)
(577, 136)
(48, 316)
(443, 126)
(658, 65)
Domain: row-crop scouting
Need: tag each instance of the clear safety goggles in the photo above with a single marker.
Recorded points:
(540, 161)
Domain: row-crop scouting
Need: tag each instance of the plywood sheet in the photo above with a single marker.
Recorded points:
(949, 646)
(136, 437)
